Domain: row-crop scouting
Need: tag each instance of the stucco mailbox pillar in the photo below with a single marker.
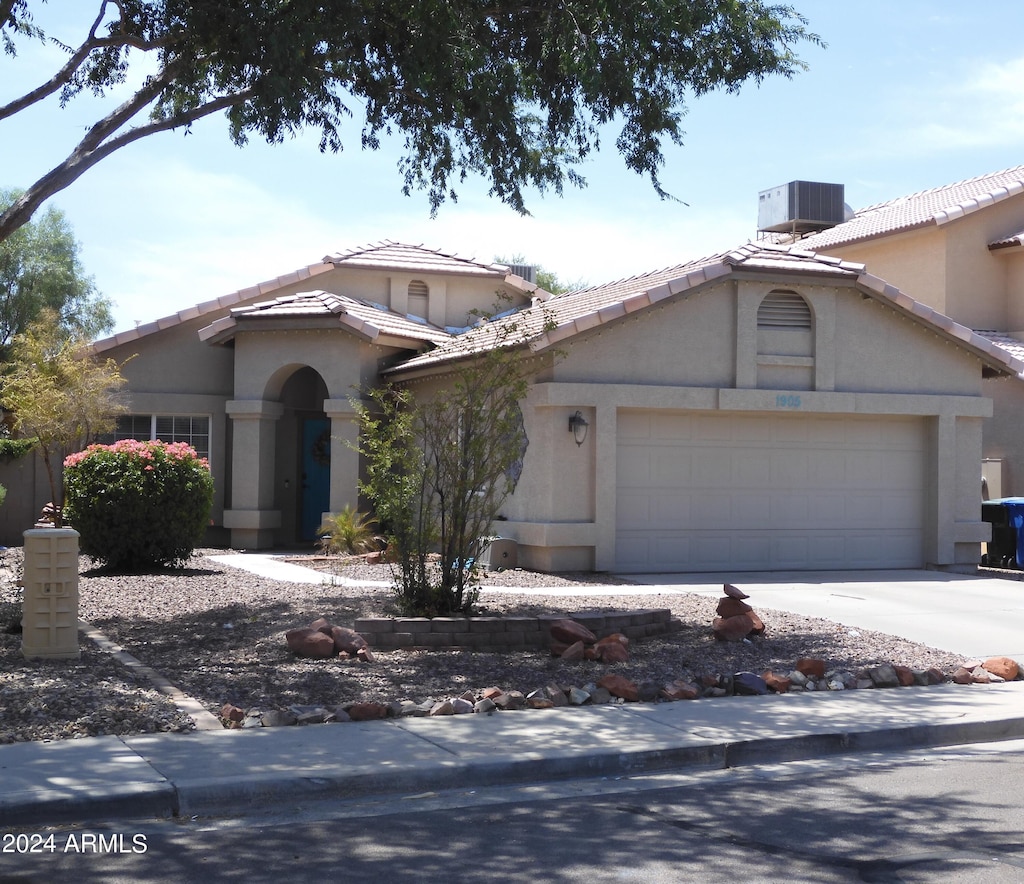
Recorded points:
(49, 623)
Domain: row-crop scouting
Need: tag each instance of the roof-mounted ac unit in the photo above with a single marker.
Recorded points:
(525, 271)
(800, 207)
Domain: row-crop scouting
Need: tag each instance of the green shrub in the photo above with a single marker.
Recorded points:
(138, 505)
(348, 532)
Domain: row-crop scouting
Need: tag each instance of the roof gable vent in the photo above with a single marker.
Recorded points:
(786, 310)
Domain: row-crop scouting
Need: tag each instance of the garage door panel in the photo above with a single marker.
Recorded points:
(770, 491)
(671, 510)
(753, 471)
(712, 468)
(670, 467)
(634, 510)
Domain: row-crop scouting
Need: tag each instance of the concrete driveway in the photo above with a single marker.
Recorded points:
(970, 615)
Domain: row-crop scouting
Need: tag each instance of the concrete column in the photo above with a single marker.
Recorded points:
(606, 428)
(940, 549)
(344, 456)
(253, 518)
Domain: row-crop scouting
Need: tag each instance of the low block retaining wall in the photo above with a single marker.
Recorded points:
(506, 633)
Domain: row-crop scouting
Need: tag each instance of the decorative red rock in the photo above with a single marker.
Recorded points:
(367, 711)
(758, 624)
(962, 676)
(680, 690)
(1005, 667)
(232, 713)
(733, 629)
(347, 640)
(574, 652)
(780, 684)
(570, 632)
(811, 666)
(734, 592)
(730, 607)
(620, 686)
(905, 674)
(612, 652)
(308, 642)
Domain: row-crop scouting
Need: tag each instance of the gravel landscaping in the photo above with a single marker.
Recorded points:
(217, 633)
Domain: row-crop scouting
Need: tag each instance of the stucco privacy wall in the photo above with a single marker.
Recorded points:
(699, 354)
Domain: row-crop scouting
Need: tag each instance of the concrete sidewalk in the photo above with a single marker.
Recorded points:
(209, 773)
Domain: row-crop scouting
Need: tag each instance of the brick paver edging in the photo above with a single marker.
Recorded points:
(506, 633)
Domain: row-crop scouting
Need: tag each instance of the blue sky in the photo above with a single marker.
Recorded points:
(906, 96)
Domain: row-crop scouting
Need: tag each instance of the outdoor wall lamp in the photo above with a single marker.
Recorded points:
(578, 427)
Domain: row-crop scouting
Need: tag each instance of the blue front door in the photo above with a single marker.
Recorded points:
(316, 474)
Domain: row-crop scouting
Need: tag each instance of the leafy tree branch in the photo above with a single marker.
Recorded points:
(516, 93)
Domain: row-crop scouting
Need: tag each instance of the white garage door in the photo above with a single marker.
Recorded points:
(713, 491)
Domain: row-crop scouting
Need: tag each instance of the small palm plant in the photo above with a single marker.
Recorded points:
(348, 532)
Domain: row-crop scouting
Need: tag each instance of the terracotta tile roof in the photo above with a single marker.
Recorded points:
(547, 324)
(204, 309)
(1005, 342)
(386, 255)
(369, 320)
(937, 206)
(1008, 242)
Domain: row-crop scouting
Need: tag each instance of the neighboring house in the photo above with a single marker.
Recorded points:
(958, 248)
(764, 408)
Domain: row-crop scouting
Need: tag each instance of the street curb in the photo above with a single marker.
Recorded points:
(216, 797)
(243, 793)
(134, 801)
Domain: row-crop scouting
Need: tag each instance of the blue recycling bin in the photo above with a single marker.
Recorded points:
(1006, 548)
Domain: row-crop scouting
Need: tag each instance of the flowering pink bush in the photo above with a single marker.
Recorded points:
(138, 505)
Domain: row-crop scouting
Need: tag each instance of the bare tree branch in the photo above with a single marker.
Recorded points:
(94, 148)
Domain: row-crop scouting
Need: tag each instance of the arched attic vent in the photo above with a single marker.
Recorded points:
(783, 309)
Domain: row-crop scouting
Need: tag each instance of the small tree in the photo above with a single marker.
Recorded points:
(60, 394)
(438, 470)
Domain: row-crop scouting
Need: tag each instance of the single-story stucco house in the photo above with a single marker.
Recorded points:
(765, 408)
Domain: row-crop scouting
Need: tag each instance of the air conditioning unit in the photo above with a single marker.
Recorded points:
(800, 207)
(525, 271)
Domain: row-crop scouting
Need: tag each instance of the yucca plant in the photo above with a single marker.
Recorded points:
(350, 532)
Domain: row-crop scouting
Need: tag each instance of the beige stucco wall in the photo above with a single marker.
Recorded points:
(1005, 431)
(914, 262)
(689, 355)
(950, 267)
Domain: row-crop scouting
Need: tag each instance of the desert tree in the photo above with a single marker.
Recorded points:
(59, 394)
(439, 464)
(517, 93)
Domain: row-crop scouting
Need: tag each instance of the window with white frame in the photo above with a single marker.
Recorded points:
(189, 428)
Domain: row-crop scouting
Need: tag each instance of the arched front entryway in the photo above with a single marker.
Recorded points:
(293, 458)
(303, 462)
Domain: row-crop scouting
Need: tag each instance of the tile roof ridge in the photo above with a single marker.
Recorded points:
(928, 191)
(349, 254)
